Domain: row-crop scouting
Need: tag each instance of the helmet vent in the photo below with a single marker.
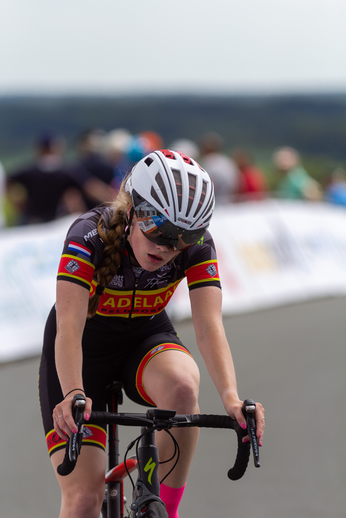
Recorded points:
(178, 186)
(201, 200)
(192, 191)
(162, 187)
(209, 208)
(155, 196)
(149, 161)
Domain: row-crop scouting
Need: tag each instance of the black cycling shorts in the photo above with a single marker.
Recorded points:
(107, 356)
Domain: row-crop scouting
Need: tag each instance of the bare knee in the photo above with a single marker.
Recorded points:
(180, 393)
(171, 379)
(82, 502)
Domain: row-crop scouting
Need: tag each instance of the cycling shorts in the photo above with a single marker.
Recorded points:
(107, 357)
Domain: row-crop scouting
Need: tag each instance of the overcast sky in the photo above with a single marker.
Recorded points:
(141, 46)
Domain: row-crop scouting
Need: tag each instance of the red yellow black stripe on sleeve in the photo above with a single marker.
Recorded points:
(75, 269)
(203, 272)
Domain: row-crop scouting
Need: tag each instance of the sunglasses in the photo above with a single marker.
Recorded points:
(156, 227)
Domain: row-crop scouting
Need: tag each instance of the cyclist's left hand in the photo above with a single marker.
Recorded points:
(236, 413)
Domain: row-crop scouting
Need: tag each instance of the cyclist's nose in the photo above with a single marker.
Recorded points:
(166, 248)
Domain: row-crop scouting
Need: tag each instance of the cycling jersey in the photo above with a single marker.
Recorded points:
(133, 292)
(115, 344)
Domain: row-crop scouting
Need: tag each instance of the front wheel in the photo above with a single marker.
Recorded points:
(156, 510)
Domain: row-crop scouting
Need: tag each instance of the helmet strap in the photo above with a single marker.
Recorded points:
(129, 221)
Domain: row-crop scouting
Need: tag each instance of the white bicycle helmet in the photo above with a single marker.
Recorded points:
(172, 196)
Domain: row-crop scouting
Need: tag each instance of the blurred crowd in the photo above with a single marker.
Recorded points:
(52, 186)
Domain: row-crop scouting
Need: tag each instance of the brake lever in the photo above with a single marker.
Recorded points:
(249, 408)
(75, 443)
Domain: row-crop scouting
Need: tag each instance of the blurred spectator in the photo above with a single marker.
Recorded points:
(222, 169)
(91, 171)
(123, 150)
(38, 190)
(336, 190)
(152, 141)
(2, 196)
(142, 144)
(116, 144)
(296, 184)
(253, 184)
(187, 147)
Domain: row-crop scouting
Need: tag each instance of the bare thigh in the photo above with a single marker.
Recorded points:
(171, 379)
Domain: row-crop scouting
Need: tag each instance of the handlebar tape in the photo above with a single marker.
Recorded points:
(241, 461)
(243, 451)
(67, 466)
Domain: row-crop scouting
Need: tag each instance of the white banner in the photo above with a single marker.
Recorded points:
(270, 253)
(29, 259)
(275, 252)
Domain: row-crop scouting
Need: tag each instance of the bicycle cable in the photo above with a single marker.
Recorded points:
(175, 454)
(136, 442)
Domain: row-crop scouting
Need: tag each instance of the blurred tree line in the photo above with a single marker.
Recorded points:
(314, 124)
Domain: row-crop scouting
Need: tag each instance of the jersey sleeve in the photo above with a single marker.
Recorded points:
(202, 266)
(82, 251)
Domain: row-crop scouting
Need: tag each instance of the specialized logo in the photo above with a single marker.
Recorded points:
(212, 270)
(150, 466)
(72, 266)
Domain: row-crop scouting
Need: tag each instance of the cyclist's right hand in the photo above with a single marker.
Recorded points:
(63, 419)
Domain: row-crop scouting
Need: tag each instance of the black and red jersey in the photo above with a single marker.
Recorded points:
(133, 292)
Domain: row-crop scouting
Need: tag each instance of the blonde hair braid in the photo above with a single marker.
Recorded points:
(111, 233)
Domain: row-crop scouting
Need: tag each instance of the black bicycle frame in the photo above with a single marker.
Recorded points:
(148, 462)
(115, 497)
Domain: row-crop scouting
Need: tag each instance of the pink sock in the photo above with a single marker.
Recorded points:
(171, 497)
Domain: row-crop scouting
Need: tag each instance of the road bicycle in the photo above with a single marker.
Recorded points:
(146, 502)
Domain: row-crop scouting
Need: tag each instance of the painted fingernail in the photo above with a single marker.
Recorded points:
(260, 435)
(243, 425)
(87, 417)
(260, 443)
(74, 430)
(245, 440)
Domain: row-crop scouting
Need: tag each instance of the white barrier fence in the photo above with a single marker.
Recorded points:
(270, 253)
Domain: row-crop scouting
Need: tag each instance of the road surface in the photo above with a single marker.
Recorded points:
(292, 359)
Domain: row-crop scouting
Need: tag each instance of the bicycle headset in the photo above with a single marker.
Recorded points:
(173, 198)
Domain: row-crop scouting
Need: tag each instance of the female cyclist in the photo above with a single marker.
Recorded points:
(119, 268)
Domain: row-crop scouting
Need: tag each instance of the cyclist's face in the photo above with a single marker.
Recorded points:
(149, 255)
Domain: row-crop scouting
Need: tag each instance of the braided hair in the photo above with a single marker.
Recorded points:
(111, 231)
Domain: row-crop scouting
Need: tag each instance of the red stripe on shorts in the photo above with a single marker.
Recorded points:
(92, 435)
(153, 352)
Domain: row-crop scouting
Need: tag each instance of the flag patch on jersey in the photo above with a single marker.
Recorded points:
(79, 249)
